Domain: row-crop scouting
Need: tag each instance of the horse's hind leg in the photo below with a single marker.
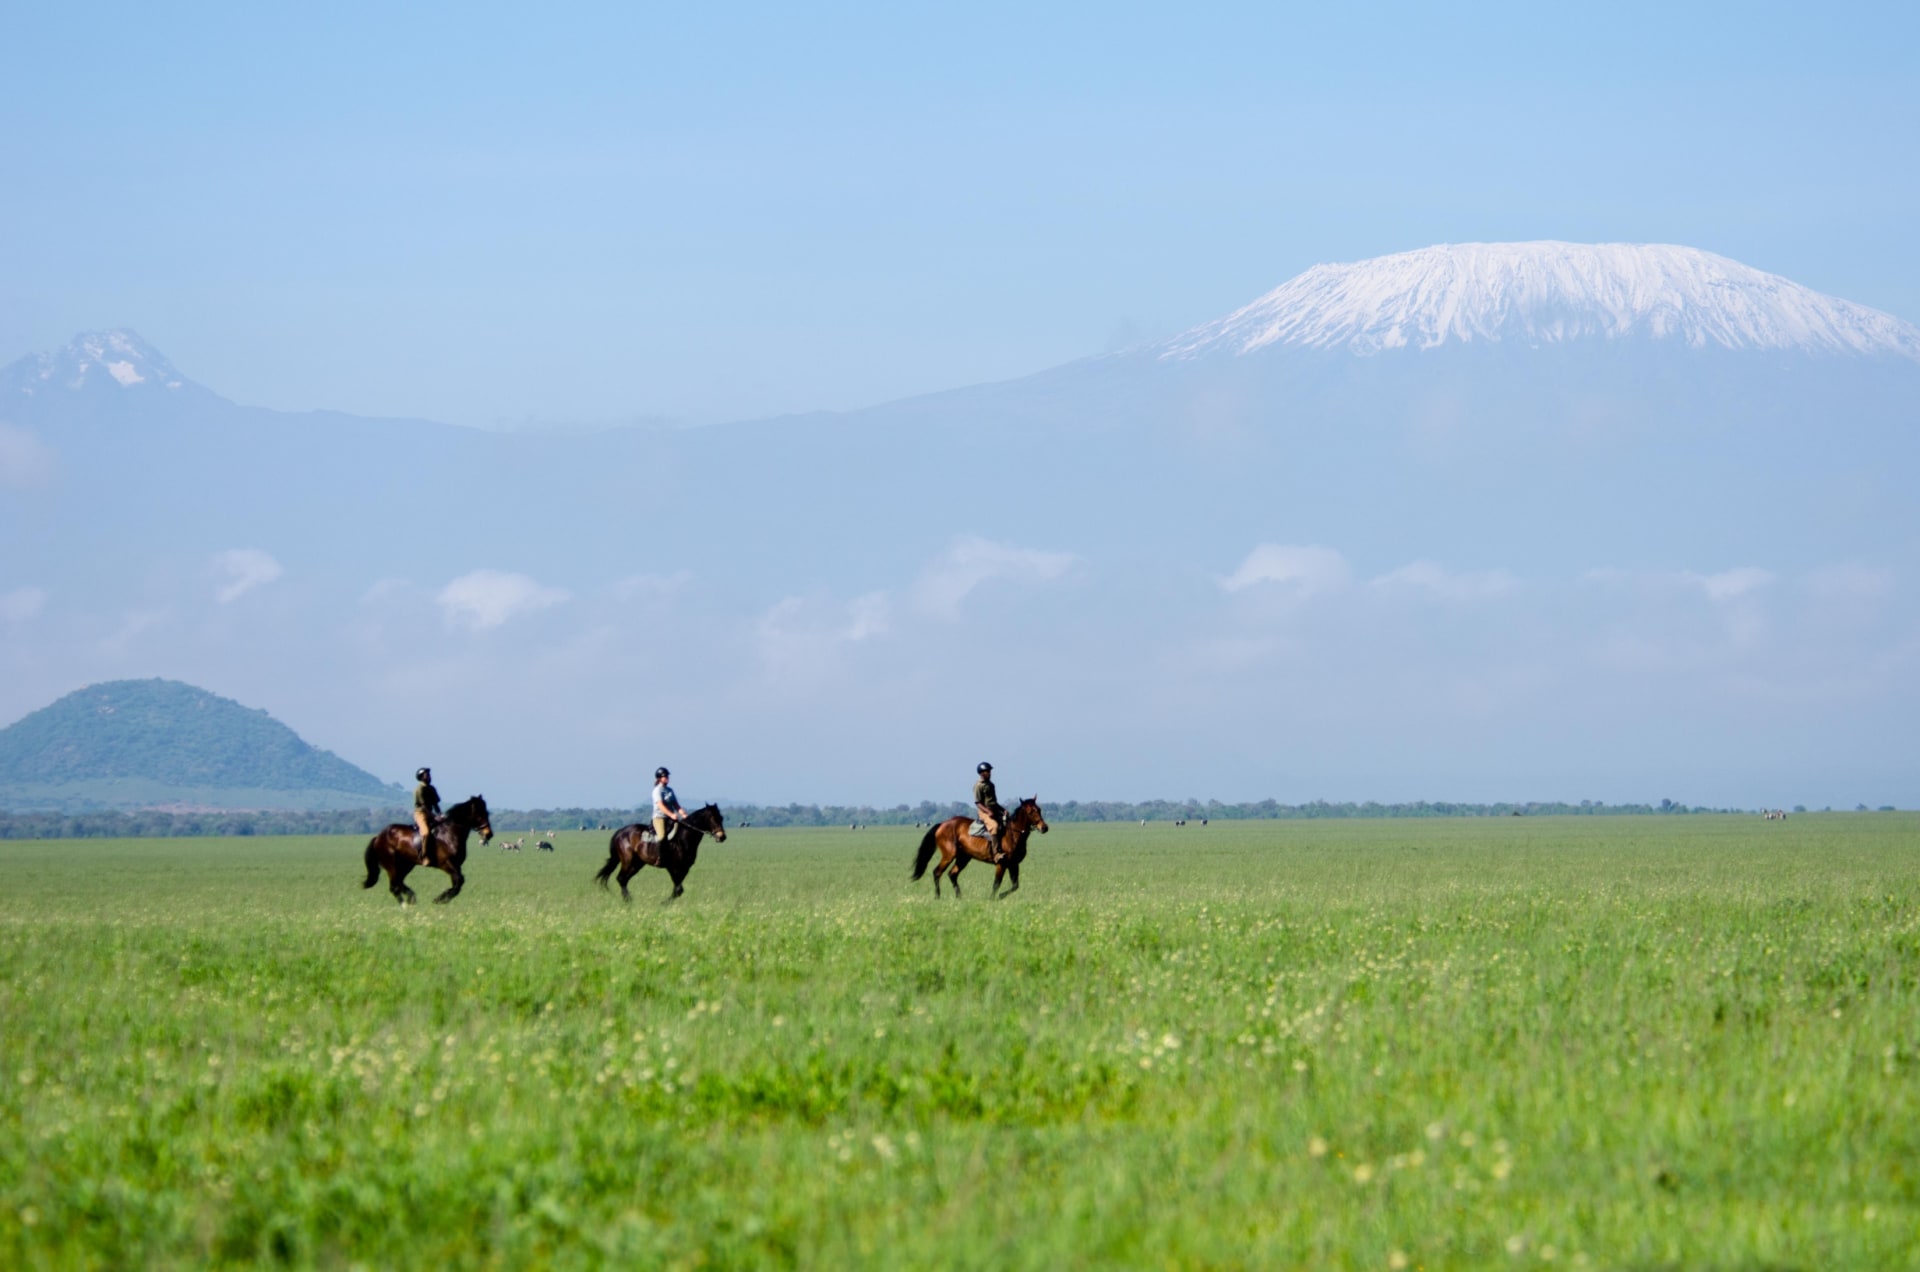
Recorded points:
(397, 884)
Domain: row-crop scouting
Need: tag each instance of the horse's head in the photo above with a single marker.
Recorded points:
(1029, 815)
(472, 813)
(709, 820)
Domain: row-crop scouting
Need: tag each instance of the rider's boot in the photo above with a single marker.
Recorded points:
(420, 845)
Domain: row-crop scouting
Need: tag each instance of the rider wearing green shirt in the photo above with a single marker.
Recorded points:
(426, 807)
(986, 803)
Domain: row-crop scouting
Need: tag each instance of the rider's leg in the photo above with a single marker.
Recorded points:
(662, 827)
(421, 832)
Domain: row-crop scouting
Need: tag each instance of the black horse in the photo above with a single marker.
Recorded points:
(392, 849)
(633, 847)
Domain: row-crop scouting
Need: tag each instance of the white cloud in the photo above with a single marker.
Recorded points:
(384, 590)
(802, 637)
(1730, 585)
(1850, 582)
(22, 604)
(868, 616)
(650, 587)
(244, 569)
(1448, 585)
(1304, 570)
(488, 598)
(24, 460)
(944, 586)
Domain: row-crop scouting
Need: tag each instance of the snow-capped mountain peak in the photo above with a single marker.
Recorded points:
(1546, 293)
(106, 359)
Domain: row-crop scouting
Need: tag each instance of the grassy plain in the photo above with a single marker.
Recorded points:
(1610, 1042)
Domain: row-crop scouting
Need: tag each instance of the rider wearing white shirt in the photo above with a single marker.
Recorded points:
(666, 807)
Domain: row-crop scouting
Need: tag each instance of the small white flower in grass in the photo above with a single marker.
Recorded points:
(884, 1146)
(1549, 1253)
(1435, 1130)
(1316, 1147)
(1363, 1173)
(1516, 1243)
(1299, 1066)
(1397, 1259)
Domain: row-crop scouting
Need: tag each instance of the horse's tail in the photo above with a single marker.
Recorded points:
(373, 863)
(613, 859)
(927, 848)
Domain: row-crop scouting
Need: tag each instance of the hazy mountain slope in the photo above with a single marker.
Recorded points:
(137, 743)
(798, 586)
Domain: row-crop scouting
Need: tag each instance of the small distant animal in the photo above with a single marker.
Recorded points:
(545, 845)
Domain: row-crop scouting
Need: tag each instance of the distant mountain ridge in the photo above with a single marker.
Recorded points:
(160, 743)
(1547, 293)
(1549, 411)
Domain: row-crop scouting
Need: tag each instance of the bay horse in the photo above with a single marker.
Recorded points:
(633, 847)
(392, 850)
(957, 847)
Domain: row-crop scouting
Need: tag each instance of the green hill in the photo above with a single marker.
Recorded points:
(156, 743)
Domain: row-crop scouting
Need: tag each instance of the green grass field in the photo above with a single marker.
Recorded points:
(1663, 1042)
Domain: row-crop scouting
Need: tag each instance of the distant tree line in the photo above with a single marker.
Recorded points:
(137, 825)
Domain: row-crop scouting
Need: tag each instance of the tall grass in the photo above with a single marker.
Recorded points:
(1632, 1042)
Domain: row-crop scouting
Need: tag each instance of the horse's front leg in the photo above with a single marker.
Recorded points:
(459, 882)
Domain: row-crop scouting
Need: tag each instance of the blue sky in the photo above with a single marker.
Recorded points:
(594, 214)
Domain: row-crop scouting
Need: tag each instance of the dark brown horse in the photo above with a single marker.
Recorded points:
(393, 850)
(957, 847)
(633, 847)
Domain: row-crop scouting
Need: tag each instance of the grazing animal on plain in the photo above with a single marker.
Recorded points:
(957, 847)
(545, 845)
(634, 847)
(393, 850)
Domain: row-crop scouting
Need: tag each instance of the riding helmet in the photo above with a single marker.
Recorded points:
(982, 767)
(660, 772)
(420, 775)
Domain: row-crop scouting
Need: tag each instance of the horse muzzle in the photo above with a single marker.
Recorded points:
(486, 834)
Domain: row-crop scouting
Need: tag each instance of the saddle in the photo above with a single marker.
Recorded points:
(979, 830)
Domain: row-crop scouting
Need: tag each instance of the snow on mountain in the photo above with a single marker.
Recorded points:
(93, 358)
(1542, 294)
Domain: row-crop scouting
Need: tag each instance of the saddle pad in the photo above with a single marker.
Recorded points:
(978, 830)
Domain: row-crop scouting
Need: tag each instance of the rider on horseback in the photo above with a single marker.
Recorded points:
(986, 803)
(426, 807)
(666, 807)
